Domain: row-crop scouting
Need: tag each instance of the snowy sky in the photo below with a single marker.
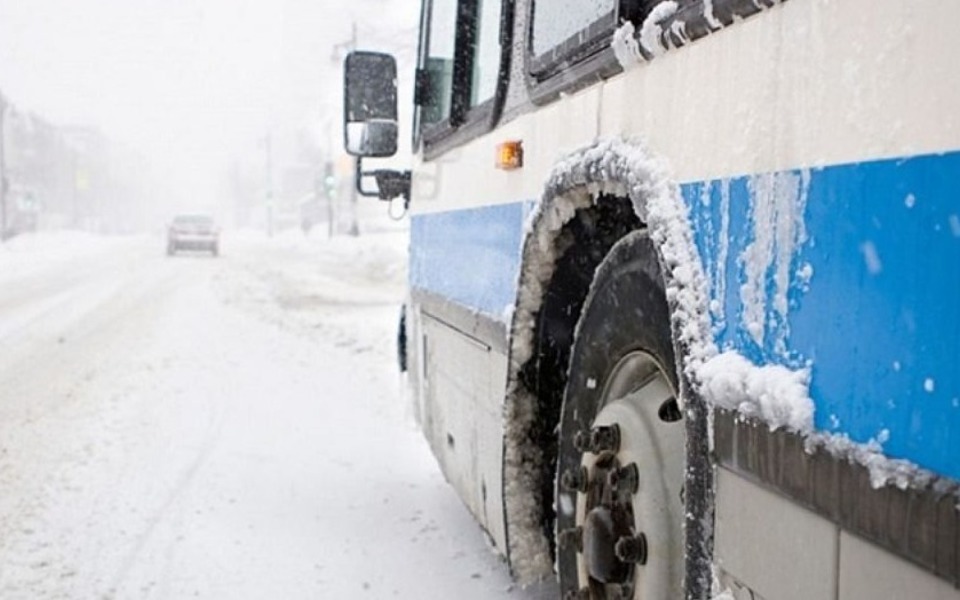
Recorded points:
(189, 82)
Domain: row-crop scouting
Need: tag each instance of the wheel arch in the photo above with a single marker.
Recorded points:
(594, 181)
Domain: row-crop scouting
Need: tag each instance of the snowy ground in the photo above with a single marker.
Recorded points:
(219, 428)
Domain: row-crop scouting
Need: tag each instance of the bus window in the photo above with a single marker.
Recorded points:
(439, 59)
(486, 52)
(556, 21)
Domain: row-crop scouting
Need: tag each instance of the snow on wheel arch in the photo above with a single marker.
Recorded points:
(609, 167)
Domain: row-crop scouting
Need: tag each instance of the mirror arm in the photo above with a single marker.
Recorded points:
(390, 183)
(359, 174)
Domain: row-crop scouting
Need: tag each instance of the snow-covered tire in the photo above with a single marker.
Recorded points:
(619, 501)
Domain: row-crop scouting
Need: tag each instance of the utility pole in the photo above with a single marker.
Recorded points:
(4, 184)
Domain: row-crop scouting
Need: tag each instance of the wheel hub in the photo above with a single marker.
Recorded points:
(628, 505)
(604, 526)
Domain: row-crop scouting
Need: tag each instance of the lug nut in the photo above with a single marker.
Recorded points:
(581, 594)
(632, 549)
(605, 439)
(571, 538)
(625, 478)
(575, 479)
(581, 441)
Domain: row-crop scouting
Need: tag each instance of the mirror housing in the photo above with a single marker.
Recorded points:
(370, 104)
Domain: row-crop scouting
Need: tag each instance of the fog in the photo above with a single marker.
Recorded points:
(186, 93)
(211, 409)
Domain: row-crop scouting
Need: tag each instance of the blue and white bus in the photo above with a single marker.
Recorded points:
(684, 311)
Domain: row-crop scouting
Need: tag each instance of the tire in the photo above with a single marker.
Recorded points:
(619, 493)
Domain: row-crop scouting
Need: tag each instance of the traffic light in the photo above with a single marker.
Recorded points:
(329, 180)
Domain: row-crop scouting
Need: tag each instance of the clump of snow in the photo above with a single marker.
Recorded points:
(719, 591)
(712, 20)
(651, 32)
(910, 201)
(955, 225)
(883, 469)
(776, 394)
(724, 594)
(871, 258)
(929, 385)
(883, 437)
(804, 275)
(625, 46)
(679, 30)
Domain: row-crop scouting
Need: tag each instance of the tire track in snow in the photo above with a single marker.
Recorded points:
(212, 435)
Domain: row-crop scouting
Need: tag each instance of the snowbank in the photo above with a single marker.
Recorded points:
(27, 254)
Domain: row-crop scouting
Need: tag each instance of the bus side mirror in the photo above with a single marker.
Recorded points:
(370, 104)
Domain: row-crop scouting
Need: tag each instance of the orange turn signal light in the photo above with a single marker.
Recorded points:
(510, 155)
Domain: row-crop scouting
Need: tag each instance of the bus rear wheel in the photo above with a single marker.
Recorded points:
(621, 460)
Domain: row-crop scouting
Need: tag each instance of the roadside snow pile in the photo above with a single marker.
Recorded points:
(32, 252)
(317, 286)
(373, 259)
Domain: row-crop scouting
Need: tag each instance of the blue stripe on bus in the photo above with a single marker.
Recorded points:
(879, 320)
(471, 257)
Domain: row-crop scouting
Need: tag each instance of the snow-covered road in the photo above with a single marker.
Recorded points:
(219, 428)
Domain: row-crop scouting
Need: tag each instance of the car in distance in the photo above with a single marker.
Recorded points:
(193, 232)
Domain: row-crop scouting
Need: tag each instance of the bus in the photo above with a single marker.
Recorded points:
(684, 287)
